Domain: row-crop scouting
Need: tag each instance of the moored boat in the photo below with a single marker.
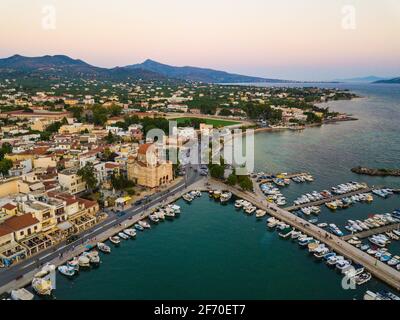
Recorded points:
(21, 294)
(66, 271)
(103, 247)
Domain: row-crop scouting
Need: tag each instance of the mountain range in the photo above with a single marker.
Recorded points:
(61, 66)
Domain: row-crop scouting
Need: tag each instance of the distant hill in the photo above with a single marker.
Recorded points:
(362, 79)
(197, 74)
(60, 66)
(394, 80)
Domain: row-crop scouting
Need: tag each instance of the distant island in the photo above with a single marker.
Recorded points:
(394, 80)
(377, 172)
(367, 79)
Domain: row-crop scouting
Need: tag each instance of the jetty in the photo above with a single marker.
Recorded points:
(326, 200)
(371, 232)
(377, 268)
(286, 176)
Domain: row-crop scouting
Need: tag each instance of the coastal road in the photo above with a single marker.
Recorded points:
(17, 271)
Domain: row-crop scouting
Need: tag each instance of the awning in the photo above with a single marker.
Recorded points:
(63, 226)
(123, 200)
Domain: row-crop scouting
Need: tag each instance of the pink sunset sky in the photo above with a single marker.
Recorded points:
(287, 39)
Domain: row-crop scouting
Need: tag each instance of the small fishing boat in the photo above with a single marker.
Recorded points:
(42, 286)
(103, 247)
(93, 256)
(238, 204)
(130, 232)
(154, 219)
(362, 278)
(115, 240)
(168, 214)
(187, 197)
(84, 261)
(139, 227)
(322, 225)
(21, 294)
(225, 197)
(250, 210)
(122, 235)
(66, 271)
(260, 213)
(217, 194)
(144, 224)
(74, 263)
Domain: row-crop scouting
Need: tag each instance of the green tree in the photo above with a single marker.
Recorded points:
(217, 171)
(5, 166)
(88, 175)
(246, 184)
(232, 179)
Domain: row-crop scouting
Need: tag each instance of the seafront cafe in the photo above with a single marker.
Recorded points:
(121, 203)
(12, 253)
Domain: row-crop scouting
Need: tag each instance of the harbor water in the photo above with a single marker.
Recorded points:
(212, 251)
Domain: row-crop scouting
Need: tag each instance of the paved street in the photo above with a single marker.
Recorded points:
(18, 270)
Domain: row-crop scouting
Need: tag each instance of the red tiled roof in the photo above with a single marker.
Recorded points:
(143, 148)
(9, 206)
(20, 222)
(4, 230)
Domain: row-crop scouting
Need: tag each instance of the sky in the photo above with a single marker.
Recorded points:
(285, 39)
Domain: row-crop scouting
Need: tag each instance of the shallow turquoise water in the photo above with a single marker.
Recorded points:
(214, 252)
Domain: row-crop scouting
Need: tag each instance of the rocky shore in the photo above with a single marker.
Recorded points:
(377, 172)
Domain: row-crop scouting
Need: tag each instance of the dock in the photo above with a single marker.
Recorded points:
(288, 176)
(371, 232)
(326, 200)
(377, 268)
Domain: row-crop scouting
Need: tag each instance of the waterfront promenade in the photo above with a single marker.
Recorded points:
(21, 274)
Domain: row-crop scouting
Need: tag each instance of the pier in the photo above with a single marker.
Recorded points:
(377, 268)
(289, 176)
(368, 233)
(326, 200)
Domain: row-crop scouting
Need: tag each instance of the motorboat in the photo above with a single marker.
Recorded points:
(66, 271)
(123, 235)
(144, 224)
(130, 232)
(154, 218)
(238, 204)
(187, 197)
(115, 240)
(343, 264)
(42, 287)
(225, 197)
(93, 256)
(260, 213)
(103, 247)
(139, 227)
(362, 278)
(21, 294)
(84, 261)
(74, 263)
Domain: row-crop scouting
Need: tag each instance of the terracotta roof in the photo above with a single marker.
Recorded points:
(111, 165)
(143, 148)
(87, 203)
(9, 206)
(20, 222)
(4, 230)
